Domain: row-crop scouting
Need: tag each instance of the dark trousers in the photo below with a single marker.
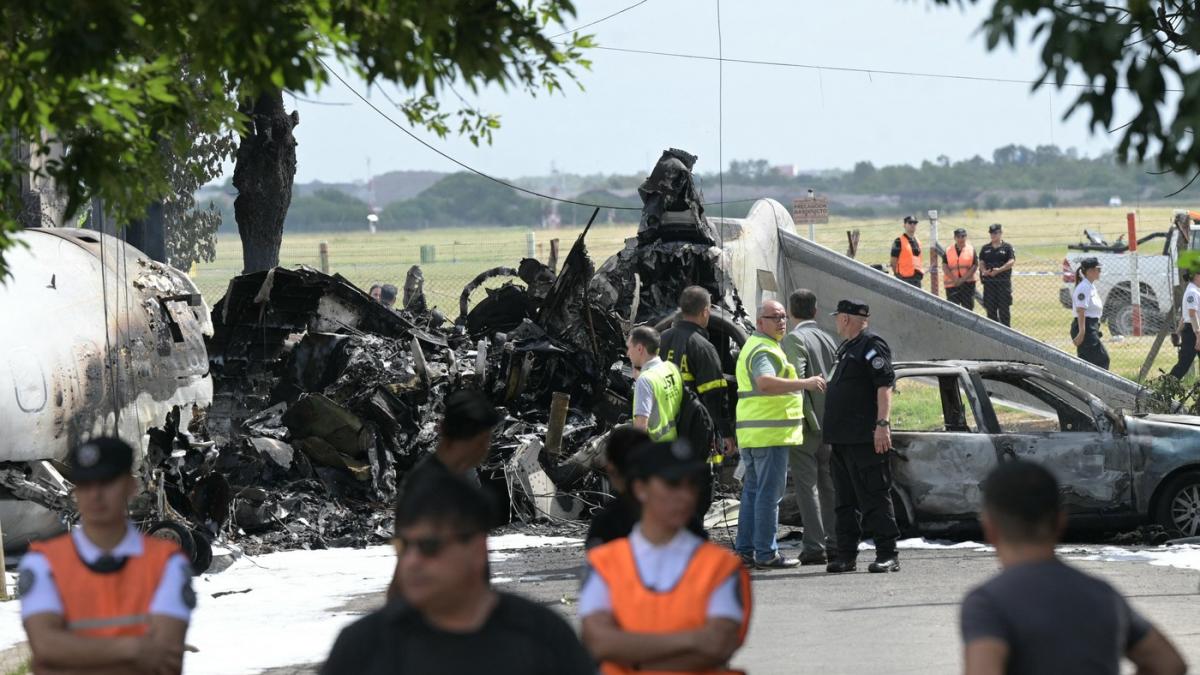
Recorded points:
(962, 295)
(1187, 352)
(1091, 349)
(862, 483)
(997, 299)
(914, 280)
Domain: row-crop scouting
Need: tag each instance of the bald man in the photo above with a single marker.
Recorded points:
(770, 422)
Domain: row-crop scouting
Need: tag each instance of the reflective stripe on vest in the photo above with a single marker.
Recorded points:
(767, 420)
(959, 265)
(666, 385)
(116, 604)
(638, 609)
(906, 261)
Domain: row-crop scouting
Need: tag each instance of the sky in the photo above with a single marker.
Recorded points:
(634, 105)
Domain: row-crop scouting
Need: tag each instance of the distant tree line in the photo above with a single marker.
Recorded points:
(1015, 177)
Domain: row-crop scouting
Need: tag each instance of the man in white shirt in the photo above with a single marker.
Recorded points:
(1187, 333)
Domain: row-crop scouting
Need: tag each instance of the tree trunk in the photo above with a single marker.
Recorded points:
(263, 175)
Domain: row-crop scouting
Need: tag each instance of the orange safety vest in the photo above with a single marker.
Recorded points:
(959, 264)
(906, 262)
(638, 609)
(116, 604)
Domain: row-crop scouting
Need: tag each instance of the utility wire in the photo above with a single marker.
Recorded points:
(296, 98)
(846, 69)
(600, 20)
(720, 132)
(466, 166)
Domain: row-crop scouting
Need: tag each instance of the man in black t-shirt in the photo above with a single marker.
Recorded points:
(1040, 616)
(996, 260)
(448, 619)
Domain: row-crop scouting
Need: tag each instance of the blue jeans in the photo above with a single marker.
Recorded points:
(762, 489)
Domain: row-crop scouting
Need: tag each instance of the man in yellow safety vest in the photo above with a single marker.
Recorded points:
(658, 390)
(770, 419)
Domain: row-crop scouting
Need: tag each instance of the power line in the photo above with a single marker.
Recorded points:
(468, 167)
(847, 69)
(316, 102)
(600, 20)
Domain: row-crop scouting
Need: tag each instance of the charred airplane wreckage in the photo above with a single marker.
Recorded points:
(311, 401)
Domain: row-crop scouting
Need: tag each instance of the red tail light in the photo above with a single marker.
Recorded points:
(1068, 274)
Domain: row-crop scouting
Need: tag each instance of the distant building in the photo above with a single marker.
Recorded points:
(788, 170)
(1114, 201)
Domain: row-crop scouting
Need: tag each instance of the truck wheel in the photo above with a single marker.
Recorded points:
(1178, 508)
(1120, 316)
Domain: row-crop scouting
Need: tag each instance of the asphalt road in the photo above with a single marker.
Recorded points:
(807, 621)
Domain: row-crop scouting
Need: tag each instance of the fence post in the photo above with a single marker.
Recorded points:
(1135, 286)
(529, 244)
(933, 253)
(323, 250)
(553, 264)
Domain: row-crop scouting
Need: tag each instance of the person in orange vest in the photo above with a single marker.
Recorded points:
(662, 599)
(906, 254)
(103, 598)
(959, 269)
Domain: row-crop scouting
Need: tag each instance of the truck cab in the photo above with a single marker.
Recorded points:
(1157, 273)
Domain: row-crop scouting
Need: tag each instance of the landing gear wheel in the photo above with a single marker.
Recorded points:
(178, 534)
(203, 557)
(1179, 508)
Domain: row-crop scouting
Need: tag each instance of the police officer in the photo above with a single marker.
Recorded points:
(906, 254)
(687, 345)
(658, 390)
(858, 403)
(996, 260)
(1085, 329)
(960, 267)
(1187, 333)
(663, 599)
(103, 597)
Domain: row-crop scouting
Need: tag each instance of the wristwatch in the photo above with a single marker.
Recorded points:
(883, 423)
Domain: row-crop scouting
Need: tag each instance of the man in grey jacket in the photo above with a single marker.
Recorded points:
(812, 351)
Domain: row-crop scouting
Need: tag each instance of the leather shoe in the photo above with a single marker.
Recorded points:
(812, 558)
(747, 559)
(777, 563)
(891, 564)
(841, 566)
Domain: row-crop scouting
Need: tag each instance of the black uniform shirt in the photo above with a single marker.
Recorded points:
(519, 637)
(912, 241)
(687, 345)
(991, 257)
(864, 365)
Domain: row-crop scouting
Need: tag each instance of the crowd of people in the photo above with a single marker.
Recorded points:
(657, 594)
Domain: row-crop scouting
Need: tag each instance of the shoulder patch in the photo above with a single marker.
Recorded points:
(1191, 298)
(25, 582)
(1081, 296)
(870, 355)
(878, 363)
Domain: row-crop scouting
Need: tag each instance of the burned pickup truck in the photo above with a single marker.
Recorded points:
(954, 421)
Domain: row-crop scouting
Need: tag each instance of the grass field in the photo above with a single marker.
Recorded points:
(1040, 237)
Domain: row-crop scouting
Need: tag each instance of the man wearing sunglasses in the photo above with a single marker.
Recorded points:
(447, 618)
(663, 599)
(770, 422)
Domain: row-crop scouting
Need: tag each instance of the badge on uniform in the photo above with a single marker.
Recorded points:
(1191, 299)
(877, 363)
(1081, 296)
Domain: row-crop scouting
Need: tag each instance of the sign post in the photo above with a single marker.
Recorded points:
(933, 252)
(810, 211)
(1135, 287)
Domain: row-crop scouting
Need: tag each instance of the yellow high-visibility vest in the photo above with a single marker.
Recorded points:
(666, 383)
(767, 420)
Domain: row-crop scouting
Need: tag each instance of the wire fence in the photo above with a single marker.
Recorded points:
(450, 258)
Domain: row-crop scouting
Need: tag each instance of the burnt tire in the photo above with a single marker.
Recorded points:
(1178, 508)
(203, 557)
(178, 534)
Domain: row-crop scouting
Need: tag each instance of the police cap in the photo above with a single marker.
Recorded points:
(669, 461)
(1089, 263)
(100, 459)
(910, 219)
(960, 232)
(995, 227)
(852, 307)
